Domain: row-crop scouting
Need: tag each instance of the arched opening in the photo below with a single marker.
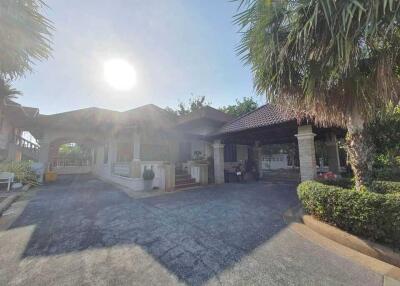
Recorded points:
(71, 156)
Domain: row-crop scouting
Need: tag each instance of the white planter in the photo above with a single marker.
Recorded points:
(147, 185)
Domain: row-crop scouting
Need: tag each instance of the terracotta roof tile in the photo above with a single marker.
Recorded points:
(265, 115)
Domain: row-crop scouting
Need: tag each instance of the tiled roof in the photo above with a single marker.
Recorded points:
(266, 115)
(206, 112)
(93, 116)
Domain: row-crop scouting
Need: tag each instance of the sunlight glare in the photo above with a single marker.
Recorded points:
(119, 74)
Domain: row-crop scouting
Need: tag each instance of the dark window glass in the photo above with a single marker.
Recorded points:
(94, 156)
(230, 153)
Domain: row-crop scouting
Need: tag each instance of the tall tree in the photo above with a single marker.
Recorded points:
(333, 61)
(25, 36)
(240, 107)
(194, 103)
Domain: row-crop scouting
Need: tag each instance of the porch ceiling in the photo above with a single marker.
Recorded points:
(274, 134)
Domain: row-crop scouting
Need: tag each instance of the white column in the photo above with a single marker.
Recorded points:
(333, 153)
(44, 153)
(305, 138)
(135, 166)
(258, 156)
(136, 146)
(219, 162)
(112, 153)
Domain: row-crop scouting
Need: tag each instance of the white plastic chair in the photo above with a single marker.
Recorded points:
(7, 178)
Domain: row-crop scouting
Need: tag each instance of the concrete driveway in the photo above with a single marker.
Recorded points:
(82, 231)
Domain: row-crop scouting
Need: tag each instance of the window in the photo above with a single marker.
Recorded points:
(153, 152)
(105, 156)
(230, 153)
(94, 156)
(124, 152)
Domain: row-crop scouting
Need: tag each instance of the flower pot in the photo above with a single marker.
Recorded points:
(148, 185)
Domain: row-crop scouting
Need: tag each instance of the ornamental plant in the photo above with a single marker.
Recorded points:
(148, 174)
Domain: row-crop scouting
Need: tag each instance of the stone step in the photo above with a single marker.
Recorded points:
(184, 181)
(182, 176)
(186, 186)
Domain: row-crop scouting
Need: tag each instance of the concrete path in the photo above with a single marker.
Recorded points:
(82, 231)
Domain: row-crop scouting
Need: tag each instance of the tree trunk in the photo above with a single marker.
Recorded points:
(360, 150)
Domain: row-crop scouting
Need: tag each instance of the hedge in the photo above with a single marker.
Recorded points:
(345, 183)
(371, 215)
(385, 187)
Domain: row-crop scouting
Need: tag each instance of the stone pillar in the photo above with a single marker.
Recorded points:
(112, 154)
(305, 138)
(333, 153)
(258, 157)
(169, 171)
(135, 166)
(44, 152)
(219, 162)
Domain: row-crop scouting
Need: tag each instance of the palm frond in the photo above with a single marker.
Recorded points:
(322, 58)
(25, 36)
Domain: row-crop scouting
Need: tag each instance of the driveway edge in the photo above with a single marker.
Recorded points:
(390, 273)
(4, 205)
(361, 245)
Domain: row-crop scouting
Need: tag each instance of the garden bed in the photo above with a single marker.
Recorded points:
(374, 214)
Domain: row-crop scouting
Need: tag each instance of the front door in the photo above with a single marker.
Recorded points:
(184, 151)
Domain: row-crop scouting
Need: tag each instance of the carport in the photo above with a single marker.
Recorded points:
(295, 153)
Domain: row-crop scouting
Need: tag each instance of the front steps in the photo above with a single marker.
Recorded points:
(184, 181)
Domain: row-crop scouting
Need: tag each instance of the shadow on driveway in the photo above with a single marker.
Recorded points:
(194, 234)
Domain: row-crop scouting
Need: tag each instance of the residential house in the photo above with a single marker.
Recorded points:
(205, 146)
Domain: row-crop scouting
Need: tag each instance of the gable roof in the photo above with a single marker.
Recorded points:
(263, 116)
(206, 112)
(93, 117)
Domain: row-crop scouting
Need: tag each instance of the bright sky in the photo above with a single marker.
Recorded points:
(176, 47)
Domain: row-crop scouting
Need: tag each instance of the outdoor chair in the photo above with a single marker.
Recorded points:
(7, 178)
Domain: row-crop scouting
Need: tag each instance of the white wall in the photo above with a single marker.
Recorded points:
(104, 171)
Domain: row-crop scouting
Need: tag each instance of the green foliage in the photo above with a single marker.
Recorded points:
(22, 170)
(7, 91)
(321, 58)
(148, 174)
(385, 187)
(194, 103)
(73, 151)
(371, 215)
(346, 183)
(246, 105)
(24, 36)
(384, 131)
(387, 173)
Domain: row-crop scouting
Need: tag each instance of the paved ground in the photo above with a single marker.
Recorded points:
(82, 231)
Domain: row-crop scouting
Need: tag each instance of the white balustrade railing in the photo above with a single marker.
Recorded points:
(122, 169)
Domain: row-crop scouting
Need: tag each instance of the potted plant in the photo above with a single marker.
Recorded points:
(148, 176)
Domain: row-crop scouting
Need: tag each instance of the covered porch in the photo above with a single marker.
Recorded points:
(270, 147)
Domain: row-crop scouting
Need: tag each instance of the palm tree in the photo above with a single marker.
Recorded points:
(25, 36)
(333, 61)
(7, 92)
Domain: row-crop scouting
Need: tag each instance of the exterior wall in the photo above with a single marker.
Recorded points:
(203, 146)
(105, 170)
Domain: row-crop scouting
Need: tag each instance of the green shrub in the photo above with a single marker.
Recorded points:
(346, 183)
(371, 215)
(385, 187)
(22, 171)
(386, 174)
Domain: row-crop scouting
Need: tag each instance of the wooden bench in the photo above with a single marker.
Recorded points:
(7, 178)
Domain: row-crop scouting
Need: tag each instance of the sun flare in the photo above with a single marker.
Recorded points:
(119, 74)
